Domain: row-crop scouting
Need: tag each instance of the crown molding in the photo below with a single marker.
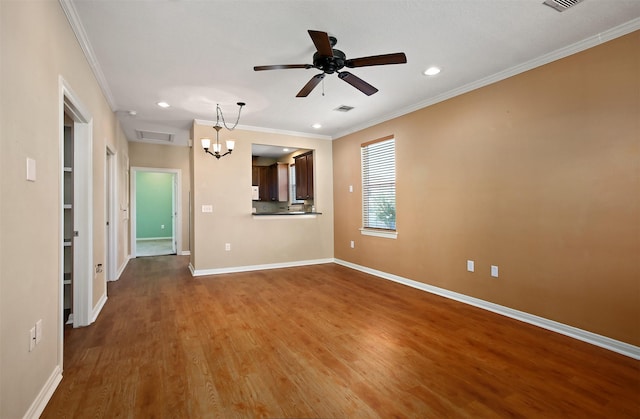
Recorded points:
(205, 122)
(76, 25)
(592, 41)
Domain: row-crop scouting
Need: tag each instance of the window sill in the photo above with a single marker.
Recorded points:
(388, 234)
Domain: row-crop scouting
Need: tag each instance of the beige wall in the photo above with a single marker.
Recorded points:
(538, 174)
(38, 46)
(226, 184)
(167, 157)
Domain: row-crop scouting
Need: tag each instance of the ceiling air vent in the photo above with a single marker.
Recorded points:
(561, 5)
(343, 108)
(154, 136)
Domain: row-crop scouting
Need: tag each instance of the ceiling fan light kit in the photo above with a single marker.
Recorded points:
(330, 60)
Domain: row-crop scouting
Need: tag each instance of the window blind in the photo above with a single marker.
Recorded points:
(379, 184)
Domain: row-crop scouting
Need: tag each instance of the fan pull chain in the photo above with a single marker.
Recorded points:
(323, 87)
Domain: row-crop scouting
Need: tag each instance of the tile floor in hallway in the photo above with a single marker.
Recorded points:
(156, 247)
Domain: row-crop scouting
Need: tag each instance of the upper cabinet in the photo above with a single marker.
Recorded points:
(304, 175)
(272, 182)
(279, 182)
(260, 178)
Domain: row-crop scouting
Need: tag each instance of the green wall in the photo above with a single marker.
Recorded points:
(154, 193)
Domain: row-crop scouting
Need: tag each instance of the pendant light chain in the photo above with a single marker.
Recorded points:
(219, 116)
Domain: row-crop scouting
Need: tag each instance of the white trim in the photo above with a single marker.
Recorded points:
(81, 35)
(388, 234)
(235, 269)
(623, 348)
(153, 238)
(205, 122)
(98, 308)
(83, 207)
(558, 54)
(111, 210)
(45, 394)
(122, 268)
(177, 198)
(185, 253)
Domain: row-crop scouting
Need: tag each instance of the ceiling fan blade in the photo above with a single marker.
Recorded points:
(322, 43)
(358, 83)
(280, 66)
(396, 58)
(310, 85)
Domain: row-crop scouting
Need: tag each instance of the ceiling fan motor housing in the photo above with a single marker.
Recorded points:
(329, 64)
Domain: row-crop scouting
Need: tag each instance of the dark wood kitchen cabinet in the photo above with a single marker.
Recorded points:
(279, 182)
(260, 178)
(272, 182)
(304, 175)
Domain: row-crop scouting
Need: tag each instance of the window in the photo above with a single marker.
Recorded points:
(292, 185)
(379, 187)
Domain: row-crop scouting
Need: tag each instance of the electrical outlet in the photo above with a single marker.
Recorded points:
(161, 226)
(32, 338)
(494, 271)
(470, 266)
(38, 331)
(353, 244)
(207, 208)
(227, 247)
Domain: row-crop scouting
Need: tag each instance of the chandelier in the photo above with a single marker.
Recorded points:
(217, 147)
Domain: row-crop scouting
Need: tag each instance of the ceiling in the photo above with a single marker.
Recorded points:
(196, 54)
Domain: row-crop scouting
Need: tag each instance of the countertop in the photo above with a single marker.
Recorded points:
(287, 213)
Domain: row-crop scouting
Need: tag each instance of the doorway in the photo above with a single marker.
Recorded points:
(110, 215)
(155, 211)
(76, 214)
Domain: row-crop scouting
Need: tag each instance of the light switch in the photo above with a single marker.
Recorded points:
(494, 271)
(32, 338)
(207, 208)
(38, 331)
(470, 266)
(31, 169)
(350, 188)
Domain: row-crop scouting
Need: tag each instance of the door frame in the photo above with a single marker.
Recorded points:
(70, 103)
(111, 213)
(177, 207)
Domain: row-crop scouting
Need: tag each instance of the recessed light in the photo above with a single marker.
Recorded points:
(285, 149)
(316, 126)
(431, 71)
(163, 104)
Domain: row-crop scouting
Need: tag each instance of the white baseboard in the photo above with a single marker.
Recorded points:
(185, 253)
(122, 268)
(234, 269)
(98, 308)
(153, 238)
(623, 348)
(40, 402)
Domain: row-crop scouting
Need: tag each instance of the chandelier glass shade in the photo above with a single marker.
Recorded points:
(216, 149)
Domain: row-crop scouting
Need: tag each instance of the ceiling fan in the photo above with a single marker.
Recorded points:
(331, 61)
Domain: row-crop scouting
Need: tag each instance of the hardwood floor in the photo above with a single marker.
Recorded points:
(322, 341)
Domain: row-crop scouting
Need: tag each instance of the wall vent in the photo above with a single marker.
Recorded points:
(343, 108)
(561, 5)
(154, 136)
